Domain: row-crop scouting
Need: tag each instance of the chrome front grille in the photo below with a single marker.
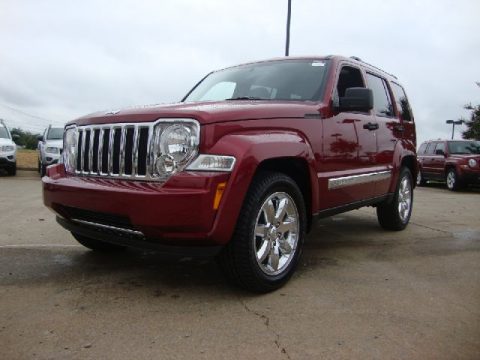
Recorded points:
(115, 150)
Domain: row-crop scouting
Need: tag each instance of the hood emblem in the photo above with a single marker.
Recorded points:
(112, 112)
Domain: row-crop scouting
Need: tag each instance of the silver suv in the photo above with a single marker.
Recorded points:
(8, 150)
(50, 147)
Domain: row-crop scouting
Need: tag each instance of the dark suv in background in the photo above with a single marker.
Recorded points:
(457, 162)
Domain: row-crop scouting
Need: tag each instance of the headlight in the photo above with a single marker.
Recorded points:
(52, 150)
(176, 143)
(8, 148)
(70, 139)
(472, 163)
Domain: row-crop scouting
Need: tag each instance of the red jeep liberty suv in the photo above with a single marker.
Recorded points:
(242, 165)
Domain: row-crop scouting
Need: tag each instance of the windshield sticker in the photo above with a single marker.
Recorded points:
(318, 63)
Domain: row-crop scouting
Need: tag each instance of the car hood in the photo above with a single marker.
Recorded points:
(208, 112)
(54, 143)
(4, 141)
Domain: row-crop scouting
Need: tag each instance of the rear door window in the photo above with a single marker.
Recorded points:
(431, 148)
(382, 103)
(440, 146)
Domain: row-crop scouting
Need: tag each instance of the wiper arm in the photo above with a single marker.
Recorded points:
(246, 98)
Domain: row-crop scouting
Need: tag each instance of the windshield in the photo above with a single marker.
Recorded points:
(295, 80)
(464, 147)
(4, 133)
(55, 134)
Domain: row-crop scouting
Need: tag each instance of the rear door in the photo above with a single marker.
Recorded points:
(387, 133)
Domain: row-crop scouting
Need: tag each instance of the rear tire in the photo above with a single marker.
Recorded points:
(395, 215)
(267, 243)
(420, 179)
(97, 245)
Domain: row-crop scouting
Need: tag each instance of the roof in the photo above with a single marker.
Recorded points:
(353, 59)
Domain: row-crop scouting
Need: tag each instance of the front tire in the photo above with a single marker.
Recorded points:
(97, 245)
(266, 246)
(12, 171)
(395, 215)
(452, 180)
(43, 170)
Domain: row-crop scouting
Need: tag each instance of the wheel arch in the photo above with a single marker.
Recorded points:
(297, 169)
(287, 152)
(410, 162)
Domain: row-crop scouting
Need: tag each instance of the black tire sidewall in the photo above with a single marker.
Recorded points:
(388, 213)
(249, 273)
(405, 172)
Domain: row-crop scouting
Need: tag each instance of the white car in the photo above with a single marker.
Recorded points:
(50, 147)
(8, 150)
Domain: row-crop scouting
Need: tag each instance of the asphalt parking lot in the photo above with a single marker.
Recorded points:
(360, 292)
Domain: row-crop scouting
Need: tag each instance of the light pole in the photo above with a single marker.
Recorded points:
(289, 14)
(454, 122)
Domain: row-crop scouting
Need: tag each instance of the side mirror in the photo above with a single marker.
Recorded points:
(439, 152)
(15, 137)
(40, 138)
(357, 99)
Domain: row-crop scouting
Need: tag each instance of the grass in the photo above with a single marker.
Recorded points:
(27, 159)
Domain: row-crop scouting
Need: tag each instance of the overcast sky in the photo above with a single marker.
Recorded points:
(63, 59)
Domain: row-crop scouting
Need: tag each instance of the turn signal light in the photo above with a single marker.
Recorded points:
(218, 195)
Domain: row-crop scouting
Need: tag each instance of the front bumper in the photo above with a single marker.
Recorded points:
(50, 158)
(135, 213)
(468, 175)
(7, 161)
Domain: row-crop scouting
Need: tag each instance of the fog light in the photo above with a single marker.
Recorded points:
(165, 165)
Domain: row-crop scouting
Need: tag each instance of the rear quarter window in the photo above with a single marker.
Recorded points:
(401, 101)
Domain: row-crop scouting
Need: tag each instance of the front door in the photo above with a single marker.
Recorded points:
(349, 149)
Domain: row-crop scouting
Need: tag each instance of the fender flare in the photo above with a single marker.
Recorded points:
(250, 149)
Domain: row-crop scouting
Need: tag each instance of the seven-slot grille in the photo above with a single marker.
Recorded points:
(116, 150)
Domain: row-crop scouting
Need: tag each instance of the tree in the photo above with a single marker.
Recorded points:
(473, 125)
(25, 138)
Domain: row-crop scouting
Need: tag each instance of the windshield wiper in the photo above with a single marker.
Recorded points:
(246, 98)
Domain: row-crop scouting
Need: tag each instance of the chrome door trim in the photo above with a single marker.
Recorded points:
(344, 181)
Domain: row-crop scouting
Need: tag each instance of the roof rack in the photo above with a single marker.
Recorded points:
(375, 67)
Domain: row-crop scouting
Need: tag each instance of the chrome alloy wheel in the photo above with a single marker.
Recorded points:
(404, 198)
(451, 179)
(276, 233)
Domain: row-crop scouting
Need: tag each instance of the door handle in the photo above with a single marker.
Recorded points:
(370, 126)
